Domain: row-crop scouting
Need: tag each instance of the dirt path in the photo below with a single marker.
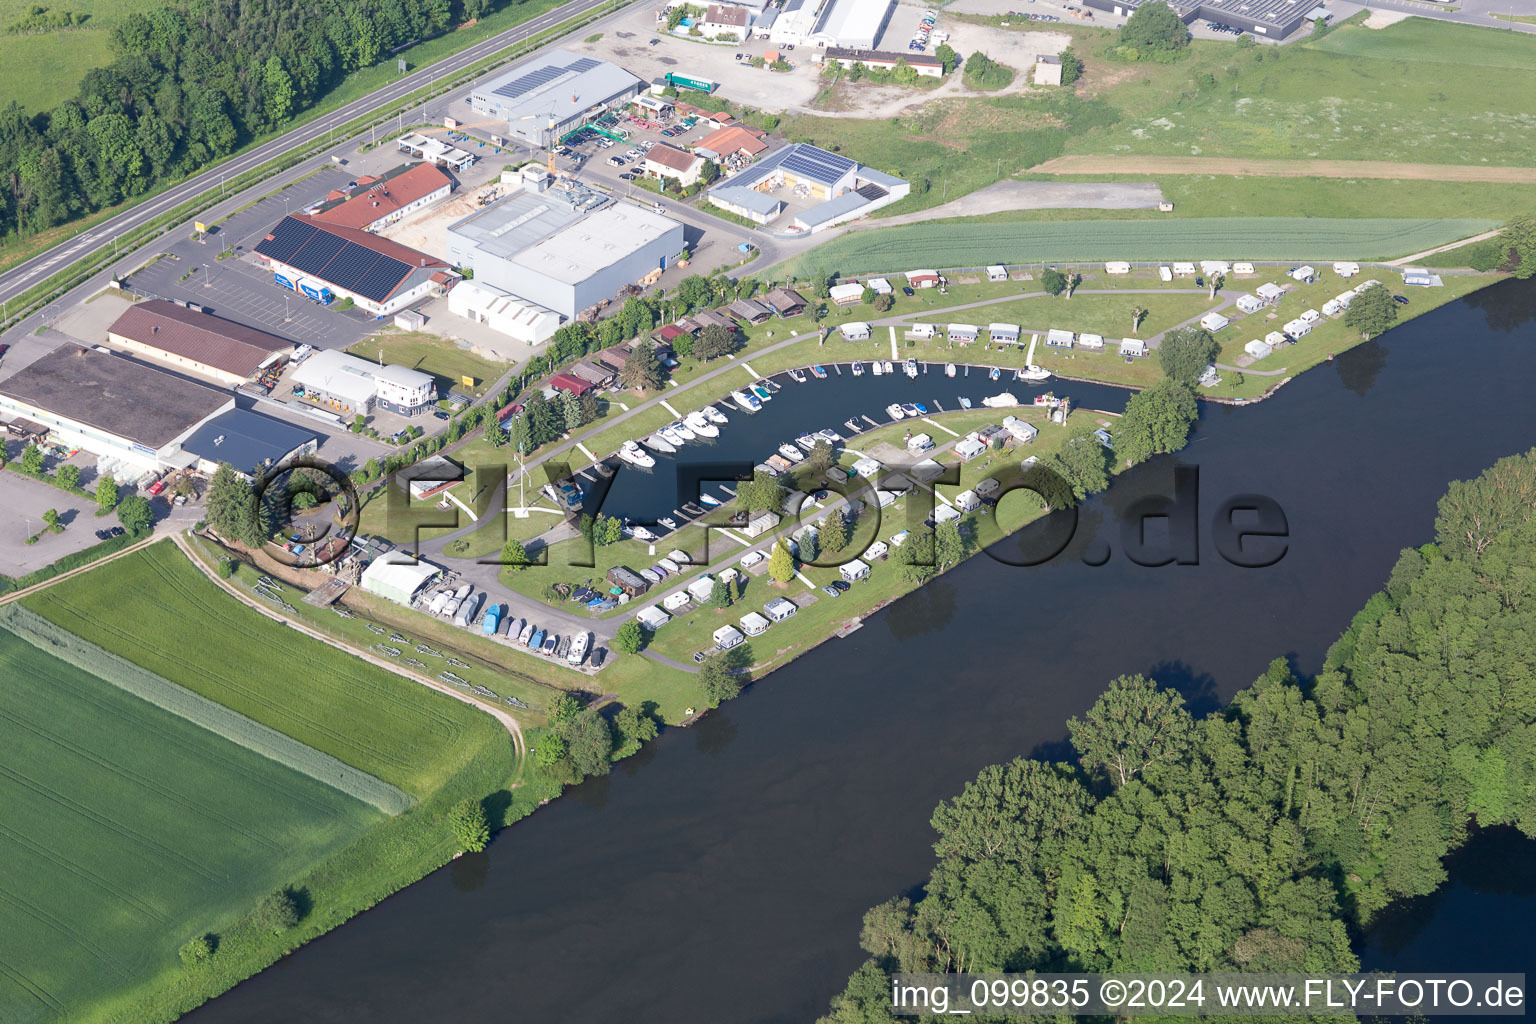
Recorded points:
(1405, 260)
(1285, 168)
(512, 726)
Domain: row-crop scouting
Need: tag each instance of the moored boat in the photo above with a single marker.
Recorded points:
(1002, 401)
(700, 425)
(819, 371)
(894, 411)
(660, 444)
(949, 369)
(714, 415)
(858, 369)
(791, 453)
(878, 368)
(633, 454)
(745, 401)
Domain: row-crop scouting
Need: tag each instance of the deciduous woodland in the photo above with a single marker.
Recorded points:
(1259, 837)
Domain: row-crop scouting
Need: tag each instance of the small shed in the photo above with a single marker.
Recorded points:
(1133, 347)
(754, 624)
(410, 320)
(1058, 339)
(727, 637)
(1092, 342)
(997, 272)
(856, 330)
(963, 333)
(627, 580)
(1249, 304)
(652, 618)
(1214, 321)
(1257, 349)
(1269, 292)
(854, 571)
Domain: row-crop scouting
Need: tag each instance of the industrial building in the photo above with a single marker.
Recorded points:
(732, 140)
(131, 415)
(928, 67)
(200, 344)
(519, 319)
(854, 24)
(248, 441)
(563, 250)
(795, 23)
(847, 189)
(326, 262)
(349, 385)
(435, 151)
(384, 200)
(1269, 19)
(553, 94)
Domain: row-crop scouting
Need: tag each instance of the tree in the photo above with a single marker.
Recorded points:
(136, 514)
(495, 434)
(106, 492)
(1372, 312)
(947, 56)
(1154, 27)
(781, 564)
(630, 637)
(607, 530)
(51, 517)
(563, 706)
(1138, 314)
(1082, 462)
(868, 296)
(714, 341)
(821, 284)
(720, 594)
(915, 558)
(514, 556)
(570, 411)
(32, 460)
(1185, 352)
(589, 742)
(549, 750)
(635, 727)
(278, 912)
(1073, 280)
(68, 475)
(641, 370)
(763, 493)
(469, 826)
(884, 301)
(821, 456)
(1053, 281)
(1216, 281)
(1156, 420)
(229, 501)
(834, 533)
(718, 676)
(1519, 237)
(197, 951)
(1071, 66)
(948, 544)
(1132, 726)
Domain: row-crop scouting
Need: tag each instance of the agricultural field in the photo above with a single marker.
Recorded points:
(963, 244)
(56, 61)
(128, 830)
(155, 609)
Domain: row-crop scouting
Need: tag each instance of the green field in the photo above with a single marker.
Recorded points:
(958, 244)
(56, 61)
(127, 830)
(158, 610)
(1436, 42)
(429, 353)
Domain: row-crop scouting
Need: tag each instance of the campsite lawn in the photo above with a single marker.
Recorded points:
(158, 610)
(440, 357)
(128, 830)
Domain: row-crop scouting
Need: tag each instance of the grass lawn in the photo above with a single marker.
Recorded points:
(56, 61)
(443, 359)
(128, 830)
(970, 244)
(153, 606)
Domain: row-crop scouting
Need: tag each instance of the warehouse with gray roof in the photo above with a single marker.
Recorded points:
(559, 89)
(1267, 19)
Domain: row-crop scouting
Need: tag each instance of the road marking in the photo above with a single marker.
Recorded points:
(941, 426)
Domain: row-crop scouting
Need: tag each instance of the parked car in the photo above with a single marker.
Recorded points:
(599, 655)
(655, 41)
(831, 591)
(1401, 300)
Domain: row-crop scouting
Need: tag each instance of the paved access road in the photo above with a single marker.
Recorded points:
(24, 275)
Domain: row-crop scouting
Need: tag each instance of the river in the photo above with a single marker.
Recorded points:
(722, 874)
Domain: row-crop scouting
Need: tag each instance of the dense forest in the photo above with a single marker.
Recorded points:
(191, 82)
(1257, 838)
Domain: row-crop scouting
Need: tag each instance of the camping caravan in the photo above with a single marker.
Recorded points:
(1184, 269)
(1092, 342)
(1165, 273)
(1242, 268)
(1249, 304)
(779, 609)
(997, 272)
(1257, 349)
(1133, 347)
(652, 618)
(1117, 267)
(727, 637)
(1058, 339)
(854, 571)
(754, 624)
(967, 501)
(1274, 339)
(1214, 321)
(1346, 269)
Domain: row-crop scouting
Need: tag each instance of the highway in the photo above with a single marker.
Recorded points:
(19, 278)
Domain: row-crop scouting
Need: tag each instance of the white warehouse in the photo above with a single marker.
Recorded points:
(504, 313)
(852, 24)
(558, 90)
(559, 255)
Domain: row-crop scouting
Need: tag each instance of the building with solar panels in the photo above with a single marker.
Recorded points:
(564, 251)
(326, 262)
(559, 88)
(823, 188)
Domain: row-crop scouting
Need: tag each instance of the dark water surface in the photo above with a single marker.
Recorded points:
(721, 875)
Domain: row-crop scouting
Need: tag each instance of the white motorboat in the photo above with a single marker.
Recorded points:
(746, 401)
(711, 502)
(668, 522)
(526, 634)
(798, 376)
(949, 369)
(633, 454)
(875, 364)
(641, 533)
(806, 441)
(888, 367)
(681, 429)
(578, 648)
(830, 436)
(714, 415)
(791, 453)
(858, 369)
(1034, 373)
(661, 444)
(911, 368)
(700, 425)
(1002, 401)
(894, 411)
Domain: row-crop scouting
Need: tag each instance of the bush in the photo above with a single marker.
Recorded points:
(471, 829)
(198, 950)
(630, 638)
(226, 568)
(277, 913)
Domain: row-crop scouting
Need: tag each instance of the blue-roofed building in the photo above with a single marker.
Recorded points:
(845, 188)
(560, 89)
(248, 441)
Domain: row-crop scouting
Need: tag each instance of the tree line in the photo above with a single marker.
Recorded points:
(1257, 838)
(191, 81)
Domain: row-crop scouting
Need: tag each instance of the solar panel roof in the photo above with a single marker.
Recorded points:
(311, 250)
(541, 76)
(818, 164)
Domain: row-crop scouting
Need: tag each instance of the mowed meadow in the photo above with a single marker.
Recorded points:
(157, 610)
(127, 830)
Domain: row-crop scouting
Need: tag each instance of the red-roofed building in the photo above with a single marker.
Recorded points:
(196, 343)
(325, 262)
(720, 145)
(386, 200)
(664, 161)
(570, 382)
